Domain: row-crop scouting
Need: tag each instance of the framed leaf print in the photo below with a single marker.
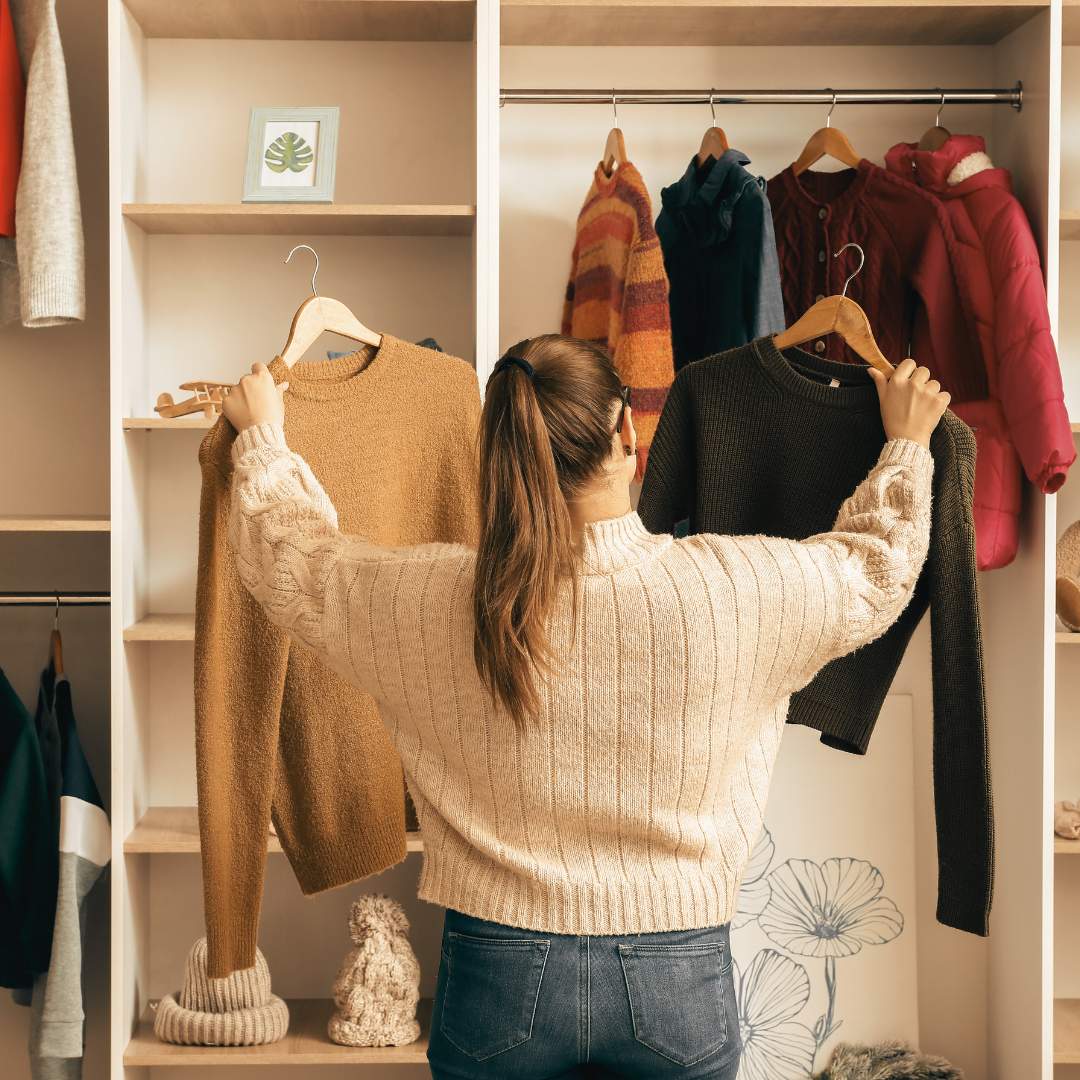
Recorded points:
(291, 154)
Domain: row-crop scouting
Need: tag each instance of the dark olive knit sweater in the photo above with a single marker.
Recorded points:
(756, 441)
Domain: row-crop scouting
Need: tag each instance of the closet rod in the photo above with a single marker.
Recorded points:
(75, 599)
(1013, 96)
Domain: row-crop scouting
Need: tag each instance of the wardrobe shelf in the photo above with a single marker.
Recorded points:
(1066, 847)
(170, 627)
(1070, 219)
(308, 20)
(306, 1044)
(174, 830)
(762, 22)
(307, 219)
(1067, 1031)
(54, 524)
(1064, 637)
(162, 423)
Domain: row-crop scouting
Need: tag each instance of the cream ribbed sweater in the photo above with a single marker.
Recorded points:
(632, 803)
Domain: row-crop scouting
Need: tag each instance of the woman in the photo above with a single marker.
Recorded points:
(588, 715)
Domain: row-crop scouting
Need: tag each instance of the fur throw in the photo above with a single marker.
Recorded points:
(378, 987)
(886, 1061)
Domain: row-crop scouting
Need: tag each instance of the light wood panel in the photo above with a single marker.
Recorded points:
(168, 627)
(306, 1044)
(1066, 1031)
(1065, 637)
(1070, 22)
(174, 830)
(276, 219)
(161, 423)
(1066, 847)
(769, 22)
(1070, 225)
(307, 20)
(54, 524)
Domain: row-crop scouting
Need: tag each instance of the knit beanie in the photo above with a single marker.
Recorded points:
(1068, 576)
(238, 1010)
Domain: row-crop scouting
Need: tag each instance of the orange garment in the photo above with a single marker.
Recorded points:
(12, 100)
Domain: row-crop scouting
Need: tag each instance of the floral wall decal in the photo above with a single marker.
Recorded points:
(821, 911)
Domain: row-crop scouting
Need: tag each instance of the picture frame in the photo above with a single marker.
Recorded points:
(291, 154)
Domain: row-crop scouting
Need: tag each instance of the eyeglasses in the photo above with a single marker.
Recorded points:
(624, 394)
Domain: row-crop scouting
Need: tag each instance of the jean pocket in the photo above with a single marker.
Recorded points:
(677, 998)
(492, 986)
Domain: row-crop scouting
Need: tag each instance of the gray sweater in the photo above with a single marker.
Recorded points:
(41, 269)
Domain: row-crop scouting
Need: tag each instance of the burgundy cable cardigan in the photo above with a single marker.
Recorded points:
(1014, 399)
(908, 287)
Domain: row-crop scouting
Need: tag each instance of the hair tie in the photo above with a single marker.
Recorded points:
(506, 360)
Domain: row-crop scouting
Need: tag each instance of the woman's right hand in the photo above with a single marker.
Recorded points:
(912, 403)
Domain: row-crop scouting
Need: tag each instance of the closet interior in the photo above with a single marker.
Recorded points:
(463, 160)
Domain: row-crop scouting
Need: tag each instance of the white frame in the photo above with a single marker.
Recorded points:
(322, 191)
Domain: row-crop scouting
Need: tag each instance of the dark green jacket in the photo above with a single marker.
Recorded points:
(28, 847)
(716, 233)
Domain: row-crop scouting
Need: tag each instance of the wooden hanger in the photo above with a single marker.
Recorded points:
(56, 645)
(827, 142)
(838, 315)
(318, 315)
(935, 138)
(714, 142)
(615, 147)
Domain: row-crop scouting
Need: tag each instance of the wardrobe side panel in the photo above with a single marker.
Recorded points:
(1018, 633)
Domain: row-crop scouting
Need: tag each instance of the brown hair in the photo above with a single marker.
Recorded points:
(543, 436)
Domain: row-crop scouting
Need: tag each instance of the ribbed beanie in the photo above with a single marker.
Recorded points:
(238, 1010)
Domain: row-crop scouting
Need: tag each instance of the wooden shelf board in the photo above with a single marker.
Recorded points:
(1066, 847)
(1066, 1031)
(161, 423)
(1065, 637)
(761, 22)
(307, 219)
(54, 524)
(306, 1044)
(162, 628)
(1070, 224)
(308, 20)
(174, 830)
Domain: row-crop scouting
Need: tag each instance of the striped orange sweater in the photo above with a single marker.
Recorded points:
(618, 292)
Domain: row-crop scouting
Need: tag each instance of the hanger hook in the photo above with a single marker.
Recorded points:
(940, 108)
(858, 269)
(56, 613)
(828, 115)
(712, 103)
(614, 107)
(315, 272)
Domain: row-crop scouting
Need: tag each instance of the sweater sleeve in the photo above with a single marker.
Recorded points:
(236, 725)
(1027, 371)
(310, 579)
(962, 791)
(643, 353)
(568, 298)
(833, 592)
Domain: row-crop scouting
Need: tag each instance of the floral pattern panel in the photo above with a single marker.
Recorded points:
(820, 940)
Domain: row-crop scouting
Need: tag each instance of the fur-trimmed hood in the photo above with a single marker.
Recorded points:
(958, 167)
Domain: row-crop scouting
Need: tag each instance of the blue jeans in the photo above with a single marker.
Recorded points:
(527, 1005)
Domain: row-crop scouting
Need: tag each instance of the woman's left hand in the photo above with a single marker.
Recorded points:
(256, 399)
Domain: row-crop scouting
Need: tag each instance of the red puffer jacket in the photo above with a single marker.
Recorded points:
(1023, 408)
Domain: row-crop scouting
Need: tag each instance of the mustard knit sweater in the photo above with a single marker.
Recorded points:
(632, 802)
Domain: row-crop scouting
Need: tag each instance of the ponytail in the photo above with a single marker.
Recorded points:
(546, 430)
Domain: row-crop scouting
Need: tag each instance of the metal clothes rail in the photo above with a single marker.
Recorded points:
(942, 97)
(73, 599)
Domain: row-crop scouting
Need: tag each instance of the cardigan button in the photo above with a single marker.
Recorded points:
(820, 296)
(821, 256)
(819, 346)
(823, 213)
